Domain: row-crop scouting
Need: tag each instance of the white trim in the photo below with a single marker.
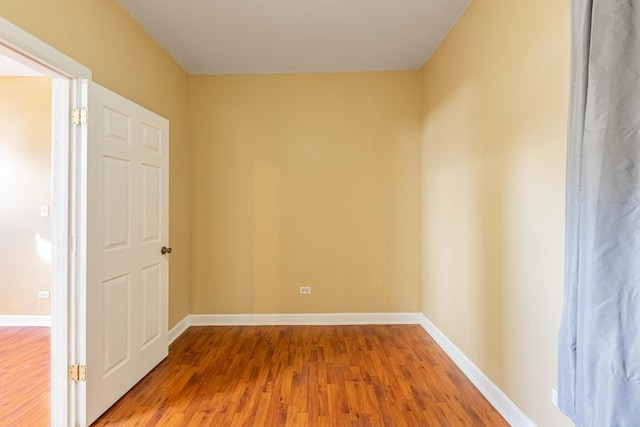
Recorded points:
(77, 291)
(178, 329)
(304, 319)
(10, 320)
(293, 319)
(35, 50)
(62, 259)
(491, 392)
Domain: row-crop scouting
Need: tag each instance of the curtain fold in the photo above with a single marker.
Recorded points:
(599, 341)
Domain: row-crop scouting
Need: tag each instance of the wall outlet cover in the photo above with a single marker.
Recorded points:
(305, 290)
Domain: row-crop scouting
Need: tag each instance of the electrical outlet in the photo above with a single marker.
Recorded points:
(554, 396)
(305, 290)
(43, 294)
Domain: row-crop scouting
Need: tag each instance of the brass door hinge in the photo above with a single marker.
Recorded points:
(79, 116)
(77, 373)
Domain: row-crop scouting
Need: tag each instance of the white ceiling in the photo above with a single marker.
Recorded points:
(283, 36)
(9, 67)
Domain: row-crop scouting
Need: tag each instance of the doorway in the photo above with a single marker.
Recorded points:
(25, 255)
(67, 78)
(110, 199)
(109, 205)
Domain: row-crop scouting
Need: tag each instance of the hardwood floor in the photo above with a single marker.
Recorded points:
(304, 376)
(24, 376)
(267, 376)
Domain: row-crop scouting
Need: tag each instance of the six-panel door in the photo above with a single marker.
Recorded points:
(127, 225)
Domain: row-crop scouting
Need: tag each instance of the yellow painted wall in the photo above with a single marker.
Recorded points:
(125, 59)
(495, 105)
(25, 185)
(305, 180)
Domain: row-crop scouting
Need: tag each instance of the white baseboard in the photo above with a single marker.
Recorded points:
(293, 319)
(13, 320)
(304, 319)
(179, 329)
(491, 392)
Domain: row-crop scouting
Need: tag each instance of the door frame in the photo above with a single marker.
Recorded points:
(68, 216)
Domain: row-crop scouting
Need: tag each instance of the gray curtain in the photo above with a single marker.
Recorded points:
(599, 345)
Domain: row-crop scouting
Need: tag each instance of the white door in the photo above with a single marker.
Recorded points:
(127, 227)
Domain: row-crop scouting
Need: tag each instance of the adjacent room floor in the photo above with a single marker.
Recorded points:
(25, 376)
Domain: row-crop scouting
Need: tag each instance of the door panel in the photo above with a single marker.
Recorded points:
(116, 294)
(127, 225)
(151, 291)
(117, 187)
(151, 197)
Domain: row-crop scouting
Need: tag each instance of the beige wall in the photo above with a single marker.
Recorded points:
(25, 185)
(493, 174)
(125, 59)
(305, 179)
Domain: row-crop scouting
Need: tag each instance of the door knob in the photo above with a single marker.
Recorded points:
(165, 250)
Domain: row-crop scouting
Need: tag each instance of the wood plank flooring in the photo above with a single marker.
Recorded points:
(24, 376)
(304, 376)
(267, 376)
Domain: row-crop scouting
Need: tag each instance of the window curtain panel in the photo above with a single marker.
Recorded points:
(599, 341)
